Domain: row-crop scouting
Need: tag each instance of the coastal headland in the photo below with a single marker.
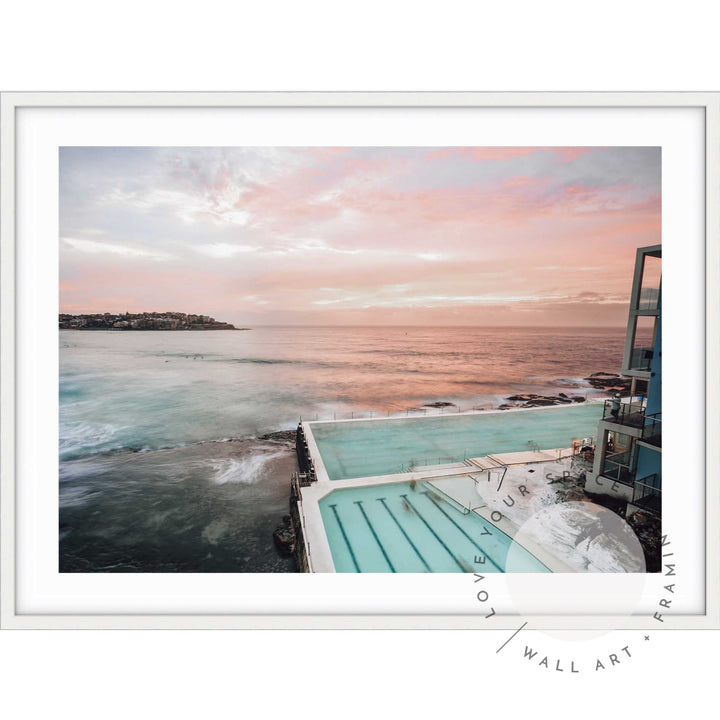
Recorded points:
(142, 321)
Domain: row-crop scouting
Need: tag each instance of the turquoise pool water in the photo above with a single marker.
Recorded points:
(383, 447)
(400, 528)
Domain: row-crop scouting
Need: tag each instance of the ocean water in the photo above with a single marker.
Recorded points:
(170, 457)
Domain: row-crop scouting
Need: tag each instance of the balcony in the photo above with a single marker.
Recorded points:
(618, 465)
(652, 430)
(618, 472)
(641, 358)
(647, 494)
(631, 414)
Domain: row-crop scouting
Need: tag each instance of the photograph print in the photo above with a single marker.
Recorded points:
(360, 360)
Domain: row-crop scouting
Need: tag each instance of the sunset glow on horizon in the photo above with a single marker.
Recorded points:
(489, 236)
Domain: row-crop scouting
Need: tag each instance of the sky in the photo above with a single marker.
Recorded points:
(486, 236)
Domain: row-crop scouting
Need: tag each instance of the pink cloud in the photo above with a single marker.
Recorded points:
(501, 153)
(484, 154)
(344, 235)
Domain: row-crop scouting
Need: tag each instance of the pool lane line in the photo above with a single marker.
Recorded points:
(374, 534)
(484, 552)
(437, 537)
(402, 530)
(345, 537)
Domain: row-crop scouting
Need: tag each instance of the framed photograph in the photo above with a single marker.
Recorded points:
(360, 360)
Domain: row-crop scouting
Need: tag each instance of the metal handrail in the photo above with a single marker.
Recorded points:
(624, 413)
(489, 470)
(618, 472)
(652, 430)
(641, 358)
(643, 492)
(465, 510)
(398, 412)
(426, 462)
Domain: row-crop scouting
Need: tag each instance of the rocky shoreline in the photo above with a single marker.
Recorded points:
(571, 488)
(610, 383)
(531, 400)
(280, 436)
(596, 384)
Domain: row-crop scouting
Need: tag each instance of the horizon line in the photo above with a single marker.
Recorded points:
(585, 326)
(486, 327)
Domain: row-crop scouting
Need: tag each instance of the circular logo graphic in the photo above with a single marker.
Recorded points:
(594, 544)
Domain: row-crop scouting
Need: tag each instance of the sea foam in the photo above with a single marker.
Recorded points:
(247, 469)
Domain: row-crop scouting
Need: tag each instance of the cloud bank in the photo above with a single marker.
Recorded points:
(370, 236)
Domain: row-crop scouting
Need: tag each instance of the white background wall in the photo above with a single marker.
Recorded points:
(137, 45)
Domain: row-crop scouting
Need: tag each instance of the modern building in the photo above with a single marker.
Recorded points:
(628, 449)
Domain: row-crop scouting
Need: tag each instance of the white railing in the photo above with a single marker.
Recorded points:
(408, 412)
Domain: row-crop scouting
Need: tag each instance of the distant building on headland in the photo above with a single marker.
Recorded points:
(628, 452)
(141, 321)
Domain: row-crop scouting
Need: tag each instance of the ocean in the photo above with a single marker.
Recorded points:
(174, 448)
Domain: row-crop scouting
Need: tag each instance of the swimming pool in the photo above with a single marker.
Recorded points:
(384, 447)
(411, 528)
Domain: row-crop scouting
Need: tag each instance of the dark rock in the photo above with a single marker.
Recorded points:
(648, 530)
(440, 404)
(530, 400)
(285, 435)
(577, 398)
(284, 536)
(608, 382)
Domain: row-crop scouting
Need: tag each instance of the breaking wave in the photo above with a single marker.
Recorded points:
(247, 470)
(82, 438)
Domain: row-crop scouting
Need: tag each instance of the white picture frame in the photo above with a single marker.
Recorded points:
(17, 110)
